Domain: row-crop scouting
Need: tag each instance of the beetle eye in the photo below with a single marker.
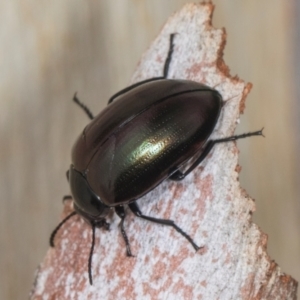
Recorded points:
(84, 196)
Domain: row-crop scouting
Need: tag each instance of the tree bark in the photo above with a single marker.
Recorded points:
(209, 204)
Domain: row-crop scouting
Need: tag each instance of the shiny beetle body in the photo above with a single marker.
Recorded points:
(139, 140)
(150, 131)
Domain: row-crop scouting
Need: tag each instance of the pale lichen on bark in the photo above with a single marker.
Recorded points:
(209, 204)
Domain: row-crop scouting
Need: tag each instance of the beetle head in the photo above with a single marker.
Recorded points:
(86, 202)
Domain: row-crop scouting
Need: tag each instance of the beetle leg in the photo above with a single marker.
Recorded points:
(135, 209)
(169, 57)
(120, 211)
(178, 175)
(83, 106)
(165, 73)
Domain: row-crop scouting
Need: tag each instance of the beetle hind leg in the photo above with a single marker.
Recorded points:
(178, 175)
(135, 209)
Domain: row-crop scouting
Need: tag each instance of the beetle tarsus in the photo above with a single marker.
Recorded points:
(239, 136)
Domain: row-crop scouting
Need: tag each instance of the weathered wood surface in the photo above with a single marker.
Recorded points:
(209, 204)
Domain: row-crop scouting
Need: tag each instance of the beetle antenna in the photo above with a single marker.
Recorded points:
(54, 232)
(83, 106)
(91, 254)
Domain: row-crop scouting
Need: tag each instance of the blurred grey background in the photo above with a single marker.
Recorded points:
(50, 49)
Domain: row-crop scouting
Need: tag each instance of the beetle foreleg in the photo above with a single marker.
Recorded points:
(135, 209)
(120, 211)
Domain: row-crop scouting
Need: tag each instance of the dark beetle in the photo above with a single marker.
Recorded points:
(151, 131)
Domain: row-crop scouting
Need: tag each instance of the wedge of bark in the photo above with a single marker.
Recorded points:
(209, 204)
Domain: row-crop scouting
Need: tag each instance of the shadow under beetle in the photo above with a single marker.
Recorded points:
(144, 137)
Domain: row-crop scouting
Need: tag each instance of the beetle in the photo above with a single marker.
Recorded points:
(146, 134)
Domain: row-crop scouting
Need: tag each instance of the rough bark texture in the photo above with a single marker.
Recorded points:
(209, 204)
